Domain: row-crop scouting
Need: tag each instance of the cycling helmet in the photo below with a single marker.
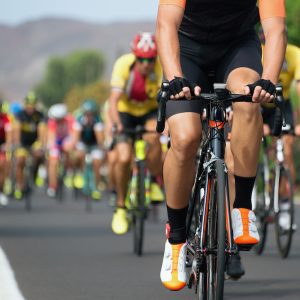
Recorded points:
(15, 108)
(57, 111)
(31, 98)
(144, 45)
(89, 105)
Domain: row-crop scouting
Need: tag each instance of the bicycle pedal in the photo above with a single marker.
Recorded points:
(245, 247)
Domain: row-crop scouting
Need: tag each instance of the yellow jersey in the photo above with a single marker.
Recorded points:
(122, 79)
(290, 69)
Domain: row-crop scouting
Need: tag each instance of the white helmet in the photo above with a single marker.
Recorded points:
(57, 111)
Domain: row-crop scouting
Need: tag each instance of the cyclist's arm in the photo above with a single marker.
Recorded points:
(8, 134)
(42, 133)
(17, 133)
(272, 14)
(114, 98)
(99, 132)
(169, 17)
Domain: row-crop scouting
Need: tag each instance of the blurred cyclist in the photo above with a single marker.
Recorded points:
(29, 135)
(61, 139)
(135, 81)
(90, 136)
(5, 146)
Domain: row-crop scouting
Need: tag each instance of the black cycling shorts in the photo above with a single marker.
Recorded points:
(130, 122)
(198, 60)
(268, 115)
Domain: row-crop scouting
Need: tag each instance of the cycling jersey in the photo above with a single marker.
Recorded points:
(29, 126)
(4, 125)
(61, 129)
(87, 129)
(290, 69)
(214, 21)
(139, 93)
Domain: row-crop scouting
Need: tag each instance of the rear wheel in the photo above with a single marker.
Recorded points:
(260, 209)
(284, 216)
(140, 210)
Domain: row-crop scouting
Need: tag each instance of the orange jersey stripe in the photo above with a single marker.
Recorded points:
(271, 8)
(180, 3)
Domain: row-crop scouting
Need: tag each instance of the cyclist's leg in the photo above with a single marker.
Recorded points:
(79, 155)
(154, 161)
(97, 156)
(2, 168)
(241, 67)
(37, 155)
(54, 153)
(288, 140)
(20, 154)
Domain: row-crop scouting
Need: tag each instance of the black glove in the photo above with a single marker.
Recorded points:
(178, 83)
(266, 85)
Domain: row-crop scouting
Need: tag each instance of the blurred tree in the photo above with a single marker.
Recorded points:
(293, 21)
(79, 68)
(99, 91)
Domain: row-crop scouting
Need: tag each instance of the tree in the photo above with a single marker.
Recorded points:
(99, 91)
(79, 68)
(293, 21)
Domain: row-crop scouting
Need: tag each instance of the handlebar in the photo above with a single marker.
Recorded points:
(221, 96)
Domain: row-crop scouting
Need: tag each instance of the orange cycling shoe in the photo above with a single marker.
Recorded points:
(244, 227)
(173, 273)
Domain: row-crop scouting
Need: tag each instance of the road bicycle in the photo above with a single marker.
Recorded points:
(210, 243)
(273, 197)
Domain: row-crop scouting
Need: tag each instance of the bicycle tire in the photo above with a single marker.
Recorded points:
(138, 225)
(28, 188)
(27, 197)
(284, 244)
(260, 210)
(216, 235)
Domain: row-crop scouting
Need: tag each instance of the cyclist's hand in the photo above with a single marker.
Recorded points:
(116, 128)
(266, 130)
(181, 88)
(262, 90)
(297, 130)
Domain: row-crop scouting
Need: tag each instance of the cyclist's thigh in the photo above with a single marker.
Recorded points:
(242, 63)
(289, 118)
(193, 56)
(124, 152)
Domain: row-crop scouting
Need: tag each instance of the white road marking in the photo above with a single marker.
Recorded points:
(9, 289)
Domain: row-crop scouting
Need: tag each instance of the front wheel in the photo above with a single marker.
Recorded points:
(284, 211)
(216, 235)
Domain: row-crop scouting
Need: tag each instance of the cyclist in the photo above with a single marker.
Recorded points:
(290, 71)
(29, 135)
(90, 134)
(135, 81)
(61, 139)
(5, 147)
(196, 37)
(111, 153)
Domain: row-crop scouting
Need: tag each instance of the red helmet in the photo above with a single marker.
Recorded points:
(144, 45)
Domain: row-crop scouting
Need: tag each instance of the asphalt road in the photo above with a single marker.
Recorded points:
(59, 251)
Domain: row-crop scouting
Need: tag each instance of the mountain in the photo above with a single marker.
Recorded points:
(26, 48)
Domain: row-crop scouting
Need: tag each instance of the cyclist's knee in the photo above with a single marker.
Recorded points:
(185, 146)
(248, 112)
(124, 154)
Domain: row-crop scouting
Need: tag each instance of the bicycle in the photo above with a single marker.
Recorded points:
(89, 180)
(61, 173)
(210, 242)
(268, 205)
(138, 196)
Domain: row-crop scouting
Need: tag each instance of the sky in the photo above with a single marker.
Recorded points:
(14, 12)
